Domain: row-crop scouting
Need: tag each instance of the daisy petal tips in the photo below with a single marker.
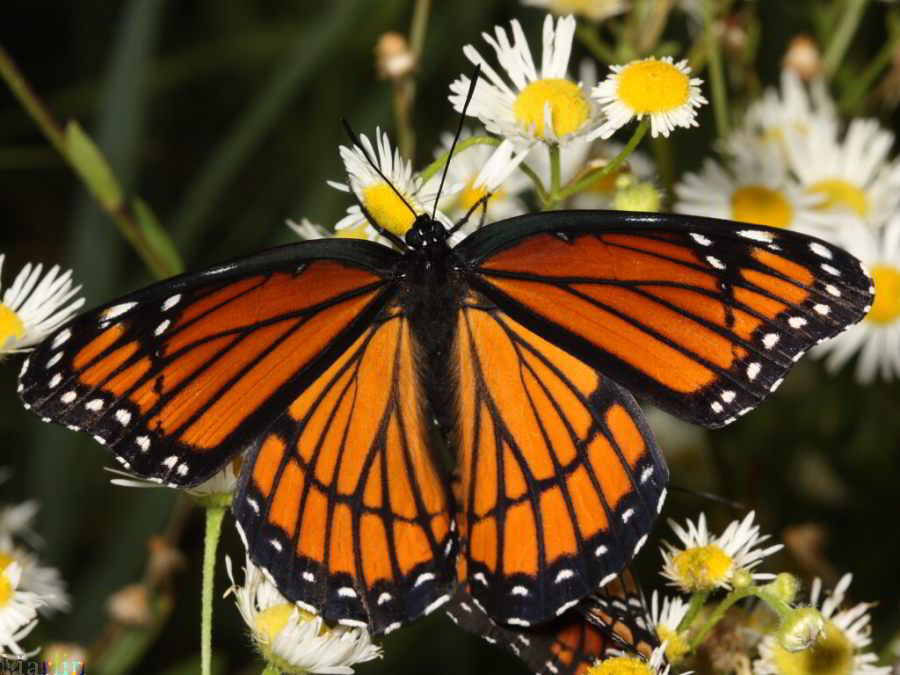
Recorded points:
(658, 88)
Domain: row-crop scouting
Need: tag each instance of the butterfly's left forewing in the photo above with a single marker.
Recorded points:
(178, 377)
(342, 502)
(558, 477)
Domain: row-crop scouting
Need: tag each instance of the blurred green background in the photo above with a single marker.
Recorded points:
(223, 115)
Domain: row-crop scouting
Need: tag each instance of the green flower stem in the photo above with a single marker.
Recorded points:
(555, 170)
(214, 515)
(592, 177)
(439, 163)
(587, 35)
(843, 34)
(90, 165)
(777, 604)
(698, 600)
(856, 91)
(716, 72)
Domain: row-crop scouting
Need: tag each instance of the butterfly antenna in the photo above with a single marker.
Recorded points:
(355, 140)
(709, 496)
(462, 119)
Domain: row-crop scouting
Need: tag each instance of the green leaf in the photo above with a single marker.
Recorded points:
(89, 162)
(159, 239)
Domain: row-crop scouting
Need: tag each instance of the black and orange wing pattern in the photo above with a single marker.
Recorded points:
(558, 477)
(342, 503)
(702, 317)
(568, 645)
(620, 610)
(177, 378)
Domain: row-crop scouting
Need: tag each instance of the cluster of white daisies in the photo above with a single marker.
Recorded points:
(794, 163)
(28, 589)
(702, 563)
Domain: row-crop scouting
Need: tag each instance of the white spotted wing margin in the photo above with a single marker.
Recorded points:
(177, 378)
(342, 503)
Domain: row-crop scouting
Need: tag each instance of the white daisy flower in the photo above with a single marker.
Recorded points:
(841, 651)
(877, 336)
(33, 307)
(595, 10)
(217, 490)
(377, 197)
(659, 88)
(666, 616)
(629, 664)
(852, 173)
(18, 612)
(477, 171)
(529, 106)
(289, 637)
(792, 109)
(42, 581)
(757, 189)
(704, 562)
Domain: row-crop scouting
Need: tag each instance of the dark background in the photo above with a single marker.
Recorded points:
(223, 115)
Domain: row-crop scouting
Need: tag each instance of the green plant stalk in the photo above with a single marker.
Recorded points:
(594, 176)
(716, 72)
(404, 89)
(56, 135)
(555, 170)
(698, 599)
(419, 27)
(843, 34)
(850, 101)
(777, 604)
(270, 670)
(214, 515)
(587, 35)
(432, 169)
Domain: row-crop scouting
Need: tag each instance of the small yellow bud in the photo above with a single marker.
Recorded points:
(784, 587)
(801, 629)
(393, 58)
(636, 196)
(741, 579)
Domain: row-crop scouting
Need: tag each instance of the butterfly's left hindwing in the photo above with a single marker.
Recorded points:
(342, 503)
(177, 378)
(558, 478)
(620, 610)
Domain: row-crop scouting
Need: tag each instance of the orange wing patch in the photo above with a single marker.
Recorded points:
(558, 477)
(348, 510)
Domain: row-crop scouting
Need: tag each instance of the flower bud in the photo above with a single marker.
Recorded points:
(742, 579)
(393, 58)
(784, 587)
(632, 195)
(801, 629)
(130, 606)
(803, 58)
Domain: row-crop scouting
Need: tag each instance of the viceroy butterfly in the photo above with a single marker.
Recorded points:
(334, 364)
(611, 621)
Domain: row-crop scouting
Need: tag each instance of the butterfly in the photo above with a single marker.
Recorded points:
(344, 368)
(611, 621)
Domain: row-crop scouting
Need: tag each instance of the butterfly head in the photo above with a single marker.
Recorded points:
(426, 235)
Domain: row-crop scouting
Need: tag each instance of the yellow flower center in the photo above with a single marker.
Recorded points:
(6, 589)
(388, 210)
(11, 325)
(568, 105)
(760, 206)
(702, 568)
(620, 665)
(841, 193)
(831, 655)
(652, 86)
(355, 232)
(886, 308)
(676, 645)
(271, 621)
